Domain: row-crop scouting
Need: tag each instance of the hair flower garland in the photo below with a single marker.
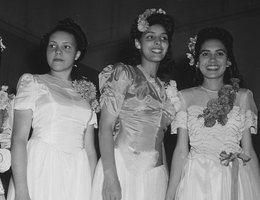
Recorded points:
(218, 108)
(2, 46)
(87, 91)
(142, 23)
(172, 94)
(191, 46)
(5, 100)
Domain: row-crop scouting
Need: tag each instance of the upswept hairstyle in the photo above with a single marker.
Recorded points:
(164, 20)
(70, 26)
(226, 38)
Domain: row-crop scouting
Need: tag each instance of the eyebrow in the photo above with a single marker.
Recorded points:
(216, 50)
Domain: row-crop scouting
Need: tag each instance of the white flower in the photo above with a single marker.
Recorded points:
(2, 46)
(191, 46)
(172, 94)
(142, 23)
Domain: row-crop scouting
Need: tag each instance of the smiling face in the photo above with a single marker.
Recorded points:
(213, 59)
(61, 52)
(153, 44)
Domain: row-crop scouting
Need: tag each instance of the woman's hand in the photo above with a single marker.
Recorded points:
(111, 188)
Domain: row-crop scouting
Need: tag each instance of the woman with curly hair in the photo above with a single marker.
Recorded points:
(214, 158)
(135, 114)
(59, 159)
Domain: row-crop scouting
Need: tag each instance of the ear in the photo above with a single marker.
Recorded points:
(229, 63)
(77, 55)
(137, 44)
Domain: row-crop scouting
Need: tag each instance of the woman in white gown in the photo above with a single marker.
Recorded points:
(217, 121)
(59, 159)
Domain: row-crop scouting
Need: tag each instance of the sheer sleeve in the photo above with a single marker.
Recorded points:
(114, 81)
(26, 92)
(248, 111)
(181, 116)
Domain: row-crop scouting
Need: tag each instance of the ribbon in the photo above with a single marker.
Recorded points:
(225, 159)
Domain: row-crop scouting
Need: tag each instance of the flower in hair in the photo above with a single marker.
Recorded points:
(2, 46)
(218, 108)
(142, 23)
(87, 91)
(191, 46)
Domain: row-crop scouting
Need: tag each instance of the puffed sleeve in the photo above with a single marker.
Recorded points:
(248, 111)
(26, 92)
(114, 81)
(181, 116)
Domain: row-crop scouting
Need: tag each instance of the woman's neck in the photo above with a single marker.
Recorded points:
(212, 84)
(63, 76)
(150, 68)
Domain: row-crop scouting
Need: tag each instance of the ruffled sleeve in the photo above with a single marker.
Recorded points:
(114, 81)
(26, 92)
(248, 112)
(181, 116)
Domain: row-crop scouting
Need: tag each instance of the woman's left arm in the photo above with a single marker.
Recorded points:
(248, 148)
(89, 143)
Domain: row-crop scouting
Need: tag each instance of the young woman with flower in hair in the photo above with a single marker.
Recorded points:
(136, 111)
(216, 120)
(59, 159)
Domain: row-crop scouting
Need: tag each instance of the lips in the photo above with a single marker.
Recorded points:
(57, 60)
(212, 67)
(156, 50)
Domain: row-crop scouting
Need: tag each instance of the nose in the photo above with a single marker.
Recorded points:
(58, 50)
(213, 57)
(158, 41)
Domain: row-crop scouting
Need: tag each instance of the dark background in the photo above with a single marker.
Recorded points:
(107, 25)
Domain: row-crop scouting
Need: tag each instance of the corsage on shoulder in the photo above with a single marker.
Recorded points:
(218, 108)
(172, 94)
(88, 91)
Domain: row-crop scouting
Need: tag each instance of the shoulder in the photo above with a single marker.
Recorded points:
(117, 71)
(189, 92)
(244, 94)
(26, 79)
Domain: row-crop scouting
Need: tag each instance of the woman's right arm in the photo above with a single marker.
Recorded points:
(178, 160)
(21, 130)
(111, 185)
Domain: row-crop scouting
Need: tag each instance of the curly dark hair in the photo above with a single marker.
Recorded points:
(226, 38)
(70, 26)
(164, 20)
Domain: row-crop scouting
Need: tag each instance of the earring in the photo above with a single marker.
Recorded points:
(197, 65)
(75, 65)
(137, 44)
(229, 63)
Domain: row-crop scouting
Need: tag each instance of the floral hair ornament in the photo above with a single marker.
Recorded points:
(2, 46)
(191, 46)
(142, 23)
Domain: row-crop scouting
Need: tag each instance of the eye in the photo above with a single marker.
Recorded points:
(67, 46)
(204, 53)
(149, 37)
(164, 38)
(51, 45)
(221, 53)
